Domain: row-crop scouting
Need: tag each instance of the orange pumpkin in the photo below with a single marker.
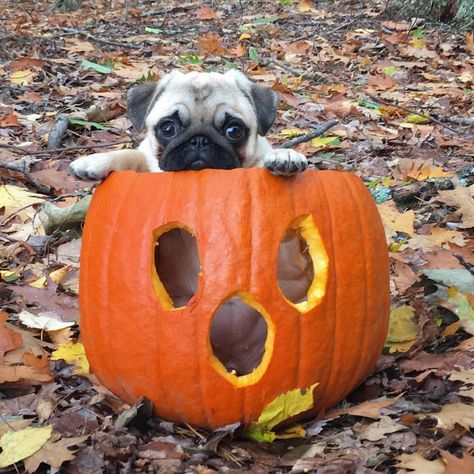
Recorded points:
(213, 292)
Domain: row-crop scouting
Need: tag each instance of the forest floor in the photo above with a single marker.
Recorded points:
(403, 96)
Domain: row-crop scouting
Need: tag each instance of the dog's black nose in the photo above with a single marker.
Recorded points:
(200, 142)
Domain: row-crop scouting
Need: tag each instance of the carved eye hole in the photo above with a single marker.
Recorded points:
(176, 265)
(302, 264)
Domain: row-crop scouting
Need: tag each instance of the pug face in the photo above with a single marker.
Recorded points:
(202, 120)
(194, 121)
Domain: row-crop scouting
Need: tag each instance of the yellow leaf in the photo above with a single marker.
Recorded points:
(280, 409)
(466, 77)
(402, 330)
(396, 220)
(418, 43)
(321, 142)
(22, 78)
(292, 132)
(305, 6)
(73, 353)
(415, 118)
(18, 445)
(13, 198)
(244, 36)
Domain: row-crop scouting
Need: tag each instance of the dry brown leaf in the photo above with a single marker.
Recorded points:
(455, 413)
(454, 465)
(370, 409)
(463, 198)
(377, 430)
(206, 13)
(54, 453)
(419, 464)
(14, 425)
(14, 373)
(9, 339)
(211, 43)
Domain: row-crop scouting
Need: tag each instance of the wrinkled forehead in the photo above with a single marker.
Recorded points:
(204, 98)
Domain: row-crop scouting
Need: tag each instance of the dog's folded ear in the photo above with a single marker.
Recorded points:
(266, 104)
(140, 100)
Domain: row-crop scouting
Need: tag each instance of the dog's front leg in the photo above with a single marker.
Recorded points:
(100, 165)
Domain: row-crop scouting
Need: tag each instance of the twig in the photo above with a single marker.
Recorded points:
(101, 40)
(318, 131)
(411, 111)
(305, 75)
(22, 169)
(61, 150)
(462, 121)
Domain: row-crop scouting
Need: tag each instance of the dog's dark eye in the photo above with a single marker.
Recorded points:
(234, 131)
(168, 128)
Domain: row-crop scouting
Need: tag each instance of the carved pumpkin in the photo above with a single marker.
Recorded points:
(213, 292)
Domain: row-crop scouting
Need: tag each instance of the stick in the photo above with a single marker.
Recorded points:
(61, 150)
(411, 111)
(22, 169)
(101, 40)
(305, 75)
(318, 131)
(55, 137)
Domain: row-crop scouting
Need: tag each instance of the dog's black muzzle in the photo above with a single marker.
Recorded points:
(196, 149)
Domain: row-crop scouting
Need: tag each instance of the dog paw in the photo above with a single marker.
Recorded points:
(285, 162)
(92, 167)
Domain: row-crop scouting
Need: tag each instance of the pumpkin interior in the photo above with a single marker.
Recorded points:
(238, 334)
(176, 265)
(302, 264)
(241, 339)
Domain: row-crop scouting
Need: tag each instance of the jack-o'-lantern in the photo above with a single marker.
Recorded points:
(213, 292)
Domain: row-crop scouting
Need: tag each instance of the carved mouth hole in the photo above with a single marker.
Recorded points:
(295, 266)
(237, 335)
(177, 266)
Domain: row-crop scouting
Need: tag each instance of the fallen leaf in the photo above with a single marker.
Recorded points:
(22, 78)
(280, 409)
(54, 453)
(14, 373)
(454, 413)
(370, 409)
(73, 353)
(402, 330)
(396, 220)
(205, 13)
(463, 198)
(9, 339)
(377, 430)
(18, 445)
(14, 198)
(211, 43)
(416, 462)
(47, 321)
(455, 465)
(466, 376)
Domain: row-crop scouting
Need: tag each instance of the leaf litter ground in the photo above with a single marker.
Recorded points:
(403, 98)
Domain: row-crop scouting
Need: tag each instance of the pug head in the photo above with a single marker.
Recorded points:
(202, 120)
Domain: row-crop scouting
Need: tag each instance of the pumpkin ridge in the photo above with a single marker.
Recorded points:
(330, 313)
(202, 358)
(362, 336)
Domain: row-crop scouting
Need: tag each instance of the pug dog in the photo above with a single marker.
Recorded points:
(194, 121)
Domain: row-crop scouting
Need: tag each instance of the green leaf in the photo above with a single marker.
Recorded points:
(415, 118)
(265, 20)
(463, 280)
(368, 104)
(321, 142)
(87, 124)
(97, 67)
(253, 55)
(190, 58)
(389, 70)
(155, 31)
(280, 409)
